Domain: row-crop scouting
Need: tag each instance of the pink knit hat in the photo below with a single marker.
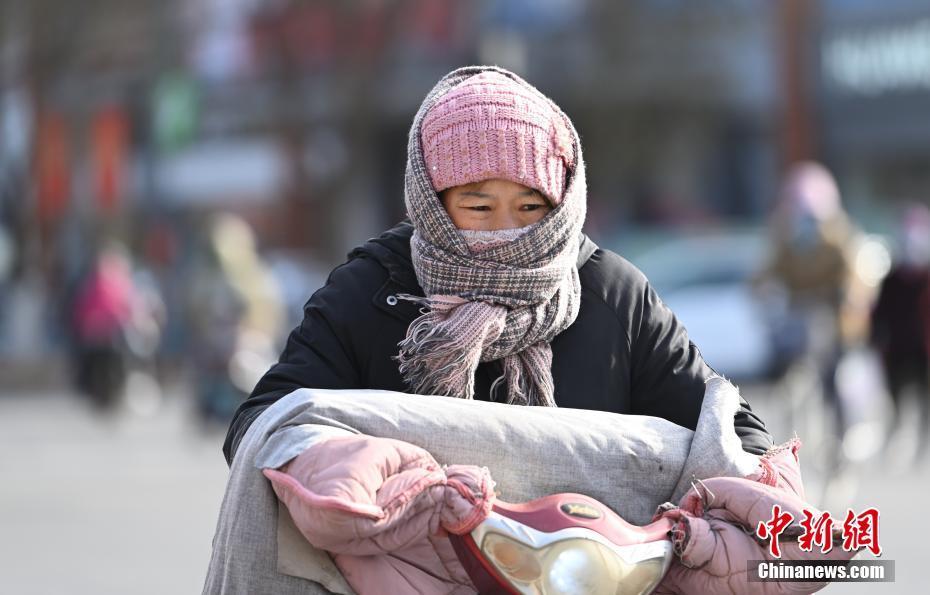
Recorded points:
(491, 126)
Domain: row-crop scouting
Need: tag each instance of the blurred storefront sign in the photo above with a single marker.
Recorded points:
(874, 95)
(875, 74)
(52, 166)
(110, 142)
(889, 58)
(221, 173)
(174, 111)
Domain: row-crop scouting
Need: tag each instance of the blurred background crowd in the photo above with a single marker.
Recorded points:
(177, 177)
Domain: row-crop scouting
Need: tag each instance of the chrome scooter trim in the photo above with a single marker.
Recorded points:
(631, 554)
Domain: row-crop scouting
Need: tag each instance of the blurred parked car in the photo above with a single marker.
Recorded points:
(705, 279)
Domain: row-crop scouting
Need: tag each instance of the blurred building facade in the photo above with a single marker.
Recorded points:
(137, 118)
(873, 91)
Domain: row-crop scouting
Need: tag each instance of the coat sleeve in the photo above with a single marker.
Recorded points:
(320, 352)
(668, 372)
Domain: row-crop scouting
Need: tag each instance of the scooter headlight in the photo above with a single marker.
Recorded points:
(573, 566)
(517, 561)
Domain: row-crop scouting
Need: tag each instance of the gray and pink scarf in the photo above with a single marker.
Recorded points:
(489, 300)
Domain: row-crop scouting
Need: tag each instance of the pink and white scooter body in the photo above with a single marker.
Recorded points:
(561, 544)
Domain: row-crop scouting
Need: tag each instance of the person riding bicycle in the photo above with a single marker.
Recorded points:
(823, 312)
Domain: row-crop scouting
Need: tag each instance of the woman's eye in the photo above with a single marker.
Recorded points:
(479, 208)
(532, 207)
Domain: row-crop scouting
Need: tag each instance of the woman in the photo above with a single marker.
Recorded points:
(813, 264)
(491, 291)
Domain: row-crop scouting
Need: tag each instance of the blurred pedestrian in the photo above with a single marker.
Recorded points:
(901, 318)
(814, 248)
(102, 309)
(236, 313)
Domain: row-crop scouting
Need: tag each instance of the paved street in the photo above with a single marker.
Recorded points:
(128, 505)
(879, 482)
(104, 506)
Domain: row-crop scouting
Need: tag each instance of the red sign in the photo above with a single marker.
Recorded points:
(52, 166)
(110, 139)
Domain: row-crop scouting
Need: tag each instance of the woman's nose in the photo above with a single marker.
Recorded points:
(507, 219)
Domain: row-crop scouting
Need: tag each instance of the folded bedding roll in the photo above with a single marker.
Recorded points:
(631, 463)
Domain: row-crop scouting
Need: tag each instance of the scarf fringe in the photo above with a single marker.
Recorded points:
(443, 347)
(525, 386)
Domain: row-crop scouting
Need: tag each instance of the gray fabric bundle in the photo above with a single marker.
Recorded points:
(630, 463)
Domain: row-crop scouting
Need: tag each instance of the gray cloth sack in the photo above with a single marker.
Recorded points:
(631, 463)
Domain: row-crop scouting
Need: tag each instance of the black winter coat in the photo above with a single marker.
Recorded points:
(626, 352)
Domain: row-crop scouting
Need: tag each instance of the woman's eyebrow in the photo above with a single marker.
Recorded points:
(533, 192)
(475, 193)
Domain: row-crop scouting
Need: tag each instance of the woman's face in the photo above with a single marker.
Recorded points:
(494, 204)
